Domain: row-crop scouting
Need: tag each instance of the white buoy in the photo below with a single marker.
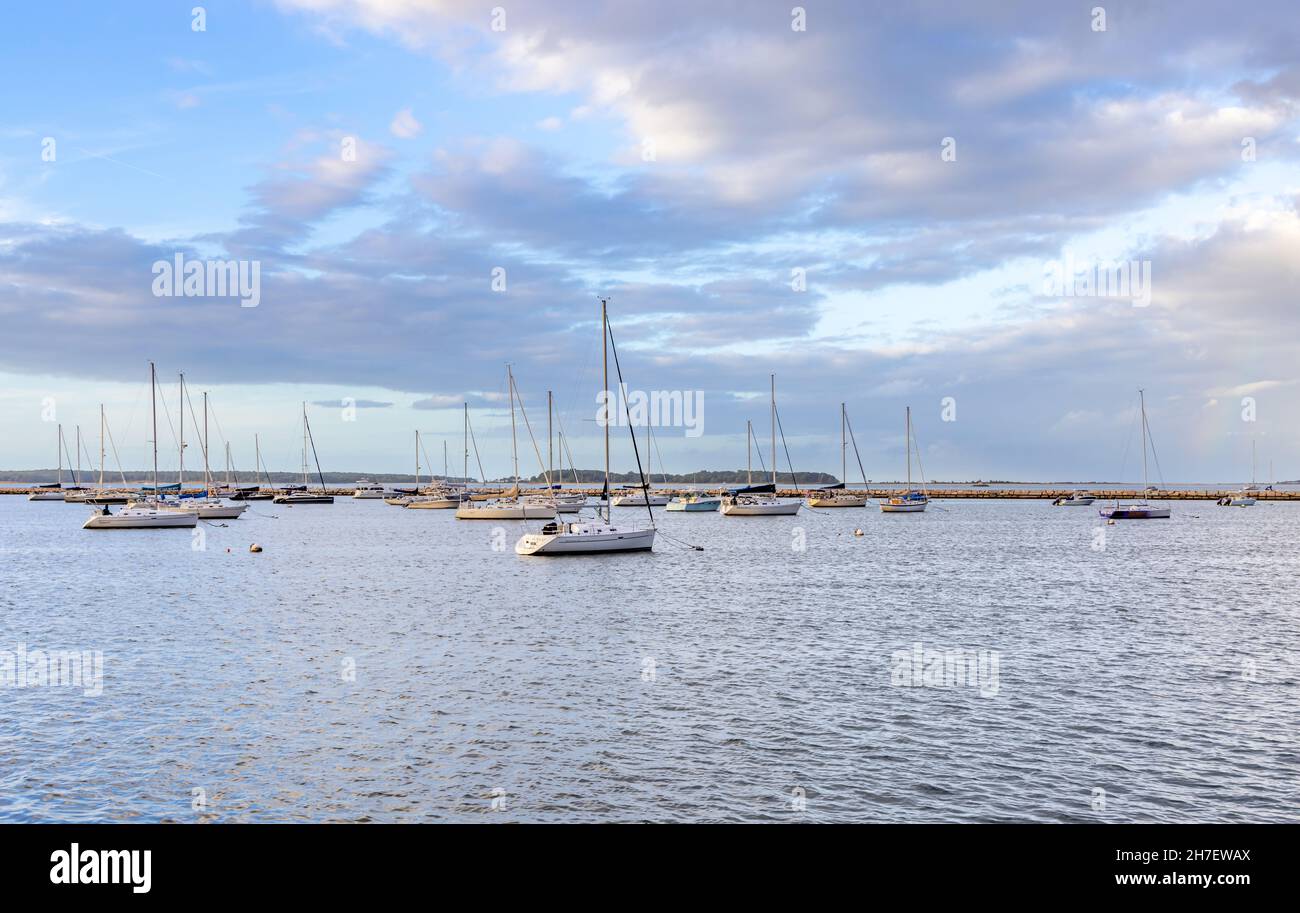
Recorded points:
(858, 532)
(255, 547)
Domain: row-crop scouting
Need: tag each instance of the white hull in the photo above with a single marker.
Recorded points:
(1075, 502)
(142, 518)
(46, 496)
(837, 502)
(701, 505)
(369, 495)
(640, 501)
(586, 539)
(489, 511)
(432, 503)
(761, 509)
(913, 508)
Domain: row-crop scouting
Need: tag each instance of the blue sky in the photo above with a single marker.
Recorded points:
(524, 148)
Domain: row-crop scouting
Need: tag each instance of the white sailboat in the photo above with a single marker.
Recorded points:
(1140, 510)
(302, 495)
(598, 536)
(55, 490)
(758, 500)
(143, 515)
(837, 495)
(510, 505)
(911, 501)
(646, 496)
(253, 492)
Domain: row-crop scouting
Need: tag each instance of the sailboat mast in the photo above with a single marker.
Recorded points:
(207, 469)
(1252, 462)
(550, 440)
(417, 458)
(844, 449)
(153, 412)
(60, 446)
(445, 470)
(514, 444)
(101, 446)
(604, 353)
(465, 471)
(1142, 400)
(181, 477)
(909, 448)
(76, 480)
(773, 379)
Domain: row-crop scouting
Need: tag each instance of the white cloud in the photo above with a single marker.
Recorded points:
(404, 125)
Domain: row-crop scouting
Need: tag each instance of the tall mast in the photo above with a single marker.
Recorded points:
(550, 441)
(465, 471)
(773, 377)
(207, 470)
(101, 446)
(60, 446)
(227, 464)
(445, 470)
(76, 475)
(1142, 399)
(909, 448)
(604, 353)
(1252, 462)
(514, 444)
(304, 445)
(153, 412)
(844, 450)
(417, 458)
(181, 477)
(257, 456)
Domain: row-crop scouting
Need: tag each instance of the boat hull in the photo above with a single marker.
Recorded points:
(914, 507)
(762, 509)
(305, 499)
(505, 512)
(432, 504)
(1135, 513)
(837, 502)
(607, 541)
(142, 519)
(640, 501)
(46, 496)
(708, 505)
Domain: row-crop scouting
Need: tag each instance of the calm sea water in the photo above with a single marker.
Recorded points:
(378, 664)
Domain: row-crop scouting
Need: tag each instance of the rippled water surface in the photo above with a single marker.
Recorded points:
(755, 681)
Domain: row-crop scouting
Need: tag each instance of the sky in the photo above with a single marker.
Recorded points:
(868, 201)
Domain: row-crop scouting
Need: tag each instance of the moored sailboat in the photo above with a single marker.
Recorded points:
(911, 501)
(144, 515)
(598, 536)
(837, 495)
(1140, 510)
(301, 494)
(758, 500)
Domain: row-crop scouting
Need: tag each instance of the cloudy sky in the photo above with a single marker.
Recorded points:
(865, 199)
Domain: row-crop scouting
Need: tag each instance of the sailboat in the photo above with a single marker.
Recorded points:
(253, 492)
(1245, 497)
(836, 495)
(210, 506)
(302, 495)
(144, 515)
(77, 493)
(564, 503)
(438, 496)
(509, 505)
(54, 490)
(102, 495)
(1140, 510)
(911, 501)
(646, 497)
(759, 500)
(587, 537)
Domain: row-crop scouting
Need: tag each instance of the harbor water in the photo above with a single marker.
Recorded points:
(983, 661)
